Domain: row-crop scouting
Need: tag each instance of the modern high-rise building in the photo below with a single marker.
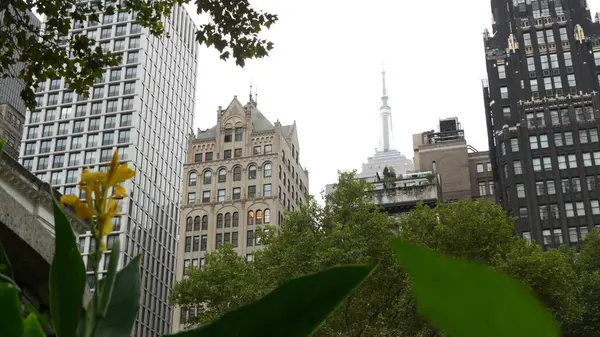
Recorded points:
(239, 176)
(12, 106)
(144, 109)
(542, 108)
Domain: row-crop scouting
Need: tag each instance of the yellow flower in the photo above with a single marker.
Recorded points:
(105, 219)
(118, 173)
(81, 209)
(96, 186)
(119, 192)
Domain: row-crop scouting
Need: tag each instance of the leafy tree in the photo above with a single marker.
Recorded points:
(350, 229)
(232, 28)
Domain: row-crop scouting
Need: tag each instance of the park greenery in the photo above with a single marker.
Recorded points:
(231, 27)
(349, 229)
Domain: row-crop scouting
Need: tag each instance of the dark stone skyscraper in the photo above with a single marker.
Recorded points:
(542, 110)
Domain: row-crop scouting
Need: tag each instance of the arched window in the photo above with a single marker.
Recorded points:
(250, 218)
(259, 217)
(236, 219)
(220, 220)
(252, 172)
(188, 224)
(267, 216)
(227, 220)
(197, 223)
(207, 177)
(205, 222)
(222, 175)
(192, 178)
(268, 170)
(237, 174)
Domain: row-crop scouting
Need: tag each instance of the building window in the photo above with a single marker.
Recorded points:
(191, 197)
(237, 193)
(573, 237)
(250, 218)
(491, 187)
(203, 245)
(222, 175)
(219, 220)
(227, 154)
(267, 190)
(238, 134)
(506, 112)
(501, 72)
(514, 144)
(543, 141)
(571, 81)
(221, 195)
(252, 172)
(520, 191)
(208, 156)
(196, 223)
(480, 168)
(482, 190)
(188, 244)
(237, 173)
(207, 177)
(237, 153)
(259, 217)
(235, 219)
(205, 222)
(572, 161)
(268, 149)
(228, 136)
(205, 196)
(193, 177)
(569, 210)
(267, 170)
(517, 167)
(537, 164)
(504, 92)
(256, 150)
(227, 220)
(251, 192)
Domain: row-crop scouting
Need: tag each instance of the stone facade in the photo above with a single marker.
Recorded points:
(239, 176)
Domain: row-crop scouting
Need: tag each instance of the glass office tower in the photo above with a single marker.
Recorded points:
(144, 109)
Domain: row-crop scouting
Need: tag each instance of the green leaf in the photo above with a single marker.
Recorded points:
(2, 142)
(109, 280)
(32, 327)
(6, 268)
(465, 299)
(124, 303)
(67, 278)
(11, 318)
(29, 308)
(295, 309)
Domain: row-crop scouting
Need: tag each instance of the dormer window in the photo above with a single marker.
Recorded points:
(228, 135)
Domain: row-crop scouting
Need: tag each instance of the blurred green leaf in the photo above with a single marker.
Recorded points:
(32, 327)
(11, 318)
(6, 268)
(295, 309)
(67, 278)
(2, 142)
(108, 283)
(31, 310)
(124, 303)
(465, 299)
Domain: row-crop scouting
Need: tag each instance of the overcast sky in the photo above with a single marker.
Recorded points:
(325, 73)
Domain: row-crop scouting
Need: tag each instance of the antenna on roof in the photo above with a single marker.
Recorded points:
(250, 94)
(256, 96)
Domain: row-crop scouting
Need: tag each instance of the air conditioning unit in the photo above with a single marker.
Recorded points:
(559, 92)
(536, 94)
(546, 72)
(532, 74)
(570, 69)
(555, 71)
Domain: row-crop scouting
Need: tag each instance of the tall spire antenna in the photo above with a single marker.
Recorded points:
(250, 94)
(256, 96)
(384, 98)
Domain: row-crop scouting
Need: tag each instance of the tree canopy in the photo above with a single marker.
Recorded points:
(349, 229)
(233, 28)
